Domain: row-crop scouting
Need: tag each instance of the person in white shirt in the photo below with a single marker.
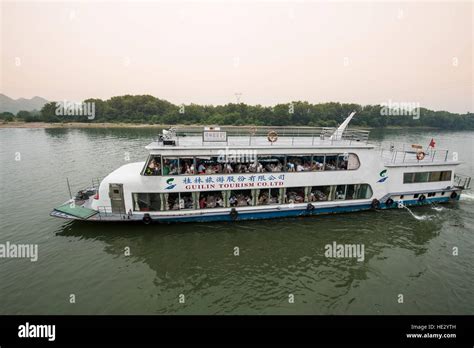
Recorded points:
(201, 169)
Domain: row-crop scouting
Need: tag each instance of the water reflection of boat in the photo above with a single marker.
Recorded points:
(196, 175)
(198, 259)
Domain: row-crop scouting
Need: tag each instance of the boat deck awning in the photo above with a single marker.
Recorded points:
(76, 210)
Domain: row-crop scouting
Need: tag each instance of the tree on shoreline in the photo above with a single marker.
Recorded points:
(151, 110)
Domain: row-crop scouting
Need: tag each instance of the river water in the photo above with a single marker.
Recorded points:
(279, 260)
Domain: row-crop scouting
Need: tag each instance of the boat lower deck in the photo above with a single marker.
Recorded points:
(238, 214)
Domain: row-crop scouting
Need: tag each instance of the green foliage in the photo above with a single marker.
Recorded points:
(28, 116)
(6, 116)
(150, 110)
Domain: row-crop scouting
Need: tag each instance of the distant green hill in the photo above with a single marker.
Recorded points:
(8, 104)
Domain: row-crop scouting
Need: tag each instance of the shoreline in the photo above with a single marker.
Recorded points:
(72, 125)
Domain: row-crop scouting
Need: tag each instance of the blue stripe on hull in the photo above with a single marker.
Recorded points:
(297, 212)
(268, 214)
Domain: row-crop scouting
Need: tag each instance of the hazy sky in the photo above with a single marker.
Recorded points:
(269, 51)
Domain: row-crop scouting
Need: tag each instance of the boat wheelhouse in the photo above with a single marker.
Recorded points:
(219, 174)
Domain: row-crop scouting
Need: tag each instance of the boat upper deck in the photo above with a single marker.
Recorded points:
(395, 154)
(259, 137)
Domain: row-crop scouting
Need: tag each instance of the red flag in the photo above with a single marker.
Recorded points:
(432, 143)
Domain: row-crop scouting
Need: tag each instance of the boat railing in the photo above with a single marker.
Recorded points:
(96, 182)
(395, 153)
(462, 181)
(286, 135)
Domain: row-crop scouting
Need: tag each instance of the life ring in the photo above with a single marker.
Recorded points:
(389, 202)
(375, 203)
(234, 214)
(147, 219)
(272, 136)
(309, 207)
(453, 195)
(421, 198)
(420, 155)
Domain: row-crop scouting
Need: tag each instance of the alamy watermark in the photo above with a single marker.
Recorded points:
(236, 156)
(27, 251)
(335, 250)
(37, 331)
(69, 108)
(392, 108)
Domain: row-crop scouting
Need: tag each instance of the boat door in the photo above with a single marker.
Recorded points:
(116, 198)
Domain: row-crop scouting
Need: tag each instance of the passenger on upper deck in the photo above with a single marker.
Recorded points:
(154, 167)
(207, 165)
(186, 167)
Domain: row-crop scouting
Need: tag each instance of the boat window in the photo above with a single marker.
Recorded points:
(170, 165)
(408, 178)
(340, 192)
(417, 177)
(421, 176)
(241, 161)
(274, 196)
(179, 200)
(240, 198)
(345, 161)
(211, 199)
(342, 161)
(186, 200)
(353, 162)
(242, 167)
(269, 163)
(250, 163)
(319, 193)
(446, 175)
(318, 162)
(295, 195)
(153, 166)
(331, 162)
(186, 166)
(350, 191)
(268, 196)
(172, 201)
(146, 201)
(435, 176)
(364, 191)
(298, 163)
(209, 165)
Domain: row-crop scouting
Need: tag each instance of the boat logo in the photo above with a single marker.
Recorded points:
(383, 175)
(170, 184)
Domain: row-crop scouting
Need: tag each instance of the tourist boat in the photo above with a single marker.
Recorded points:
(215, 174)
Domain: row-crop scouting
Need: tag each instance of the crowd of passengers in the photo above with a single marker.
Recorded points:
(215, 200)
(210, 201)
(186, 167)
